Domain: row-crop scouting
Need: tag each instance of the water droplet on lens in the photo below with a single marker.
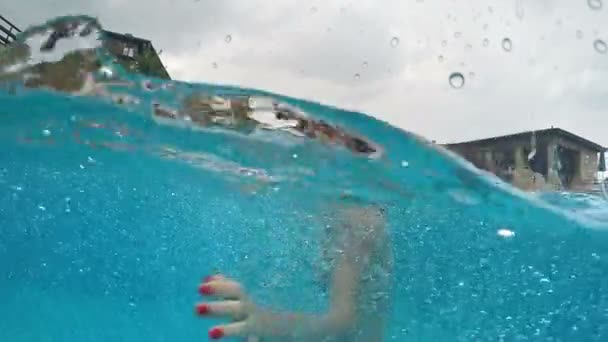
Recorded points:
(486, 42)
(228, 39)
(440, 58)
(519, 10)
(214, 65)
(457, 34)
(507, 45)
(357, 76)
(600, 46)
(579, 34)
(595, 4)
(456, 80)
(471, 74)
(394, 41)
(468, 47)
(444, 43)
(364, 64)
(485, 27)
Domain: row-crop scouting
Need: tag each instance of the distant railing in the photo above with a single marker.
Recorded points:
(8, 31)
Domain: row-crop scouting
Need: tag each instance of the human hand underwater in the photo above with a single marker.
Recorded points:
(232, 303)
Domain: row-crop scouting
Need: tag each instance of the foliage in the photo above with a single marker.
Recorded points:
(149, 63)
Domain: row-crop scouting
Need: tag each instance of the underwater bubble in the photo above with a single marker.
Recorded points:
(46, 132)
(294, 156)
(507, 45)
(600, 46)
(41, 207)
(395, 41)
(505, 233)
(456, 80)
(228, 38)
(405, 163)
(486, 42)
(595, 4)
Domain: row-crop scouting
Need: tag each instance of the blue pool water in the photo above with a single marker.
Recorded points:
(105, 238)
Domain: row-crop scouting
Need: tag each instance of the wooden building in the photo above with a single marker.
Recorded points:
(135, 54)
(545, 159)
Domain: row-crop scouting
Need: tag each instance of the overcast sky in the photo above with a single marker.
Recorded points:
(553, 75)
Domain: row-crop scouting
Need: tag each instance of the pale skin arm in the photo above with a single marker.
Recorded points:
(250, 320)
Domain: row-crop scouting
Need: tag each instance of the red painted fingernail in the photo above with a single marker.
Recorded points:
(205, 289)
(216, 333)
(202, 309)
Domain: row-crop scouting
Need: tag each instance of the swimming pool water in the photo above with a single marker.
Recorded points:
(104, 238)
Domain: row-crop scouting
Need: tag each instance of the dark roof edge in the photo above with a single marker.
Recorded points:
(557, 131)
(126, 36)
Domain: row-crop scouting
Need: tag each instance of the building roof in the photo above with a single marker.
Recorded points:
(543, 132)
(126, 37)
